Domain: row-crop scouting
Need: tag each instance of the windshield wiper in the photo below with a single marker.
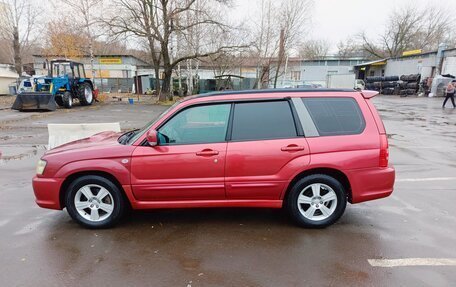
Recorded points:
(127, 136)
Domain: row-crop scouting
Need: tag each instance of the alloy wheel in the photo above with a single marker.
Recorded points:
(94, 202)
(317, 201)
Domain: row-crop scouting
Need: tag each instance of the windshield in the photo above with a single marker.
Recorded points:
(138, 133)
(60, 69)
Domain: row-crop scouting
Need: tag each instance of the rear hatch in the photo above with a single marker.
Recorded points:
(384, 147)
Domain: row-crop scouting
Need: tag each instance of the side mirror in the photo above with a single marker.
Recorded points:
(152, 137)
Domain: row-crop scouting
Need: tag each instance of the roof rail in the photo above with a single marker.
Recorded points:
(267, 91)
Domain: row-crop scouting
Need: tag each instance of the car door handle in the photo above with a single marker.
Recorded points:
(292, 147)
(207, 152)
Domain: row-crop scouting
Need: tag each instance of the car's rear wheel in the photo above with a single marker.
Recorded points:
(316, 201)
(94, 201)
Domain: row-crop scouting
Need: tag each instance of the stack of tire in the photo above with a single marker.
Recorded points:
(409, 84)
(385, 85)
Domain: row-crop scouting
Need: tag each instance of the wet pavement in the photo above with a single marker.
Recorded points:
(236, 247)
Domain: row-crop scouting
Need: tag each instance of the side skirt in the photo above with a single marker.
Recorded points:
(206, 204)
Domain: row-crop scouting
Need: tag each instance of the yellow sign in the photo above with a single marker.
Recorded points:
(412, 52)
(98, 74)
(110, 61)
(379, 63)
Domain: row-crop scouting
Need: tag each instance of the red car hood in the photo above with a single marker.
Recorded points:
(108, 138)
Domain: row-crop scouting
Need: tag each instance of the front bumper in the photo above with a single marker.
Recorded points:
(47, 192)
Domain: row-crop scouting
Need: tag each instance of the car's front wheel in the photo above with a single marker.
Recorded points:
(94, 201)
(316, 201)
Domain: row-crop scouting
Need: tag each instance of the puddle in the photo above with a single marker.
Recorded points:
(15, 153)
(394, 136)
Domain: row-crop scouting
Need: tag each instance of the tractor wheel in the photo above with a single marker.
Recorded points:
(85, 94)
(59, 101)
(67, 100)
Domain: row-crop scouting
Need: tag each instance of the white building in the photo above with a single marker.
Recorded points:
(7, 77)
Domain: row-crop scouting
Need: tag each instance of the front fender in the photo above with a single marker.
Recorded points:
(115, 167)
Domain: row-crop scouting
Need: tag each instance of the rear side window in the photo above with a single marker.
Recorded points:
(335, 116)
(263, 120)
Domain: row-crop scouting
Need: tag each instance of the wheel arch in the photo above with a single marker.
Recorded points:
(337, 174)
(70, 178)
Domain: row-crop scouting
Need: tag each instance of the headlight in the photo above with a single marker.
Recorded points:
(40, 166)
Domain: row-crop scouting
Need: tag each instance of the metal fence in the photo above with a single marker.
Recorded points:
(114, 85)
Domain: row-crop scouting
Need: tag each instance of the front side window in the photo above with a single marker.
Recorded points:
(263, 120)
(335, 116)
(200, 124)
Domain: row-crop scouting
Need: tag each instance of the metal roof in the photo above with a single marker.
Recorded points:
(370, 63)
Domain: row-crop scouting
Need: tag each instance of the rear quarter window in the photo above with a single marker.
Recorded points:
(335, 116)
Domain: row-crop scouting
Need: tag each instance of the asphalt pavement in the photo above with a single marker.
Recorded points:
(407, 239)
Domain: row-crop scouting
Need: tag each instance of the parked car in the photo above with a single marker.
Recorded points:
(308, 151)
(25, 85)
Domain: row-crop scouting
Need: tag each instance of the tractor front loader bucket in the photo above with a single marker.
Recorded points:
(34, 101)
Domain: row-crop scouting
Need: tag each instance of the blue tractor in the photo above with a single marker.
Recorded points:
(66, 82)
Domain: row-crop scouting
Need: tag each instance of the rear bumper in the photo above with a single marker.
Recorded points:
(372, 183)
(47, 192)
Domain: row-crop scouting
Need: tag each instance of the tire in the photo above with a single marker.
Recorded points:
(392, 78)
(59, 101)
(412, 85)
(85, 94)
(67, 100)
(304, 189)
(91, 209)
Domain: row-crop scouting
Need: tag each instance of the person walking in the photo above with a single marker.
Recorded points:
(450, 89)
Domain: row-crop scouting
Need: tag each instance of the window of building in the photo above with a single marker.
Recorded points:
(295, 75)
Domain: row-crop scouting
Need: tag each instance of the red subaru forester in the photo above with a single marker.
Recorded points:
(309, 151)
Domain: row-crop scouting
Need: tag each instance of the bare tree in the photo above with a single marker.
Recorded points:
(411, 28)
(5, 55)
(350, 48)
(86, 13)
(63, 39)
(17, 20)
(265, 41)
(277, 31)
(160, 22)
(293, 17)
(314, 49)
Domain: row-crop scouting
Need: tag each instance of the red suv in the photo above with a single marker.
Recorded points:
(309, 151)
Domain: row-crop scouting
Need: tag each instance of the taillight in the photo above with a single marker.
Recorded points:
(384, 153)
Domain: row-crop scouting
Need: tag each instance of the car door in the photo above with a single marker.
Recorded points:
(266, 147)
(189, 161)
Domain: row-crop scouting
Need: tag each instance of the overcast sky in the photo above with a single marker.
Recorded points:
(335, 20)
